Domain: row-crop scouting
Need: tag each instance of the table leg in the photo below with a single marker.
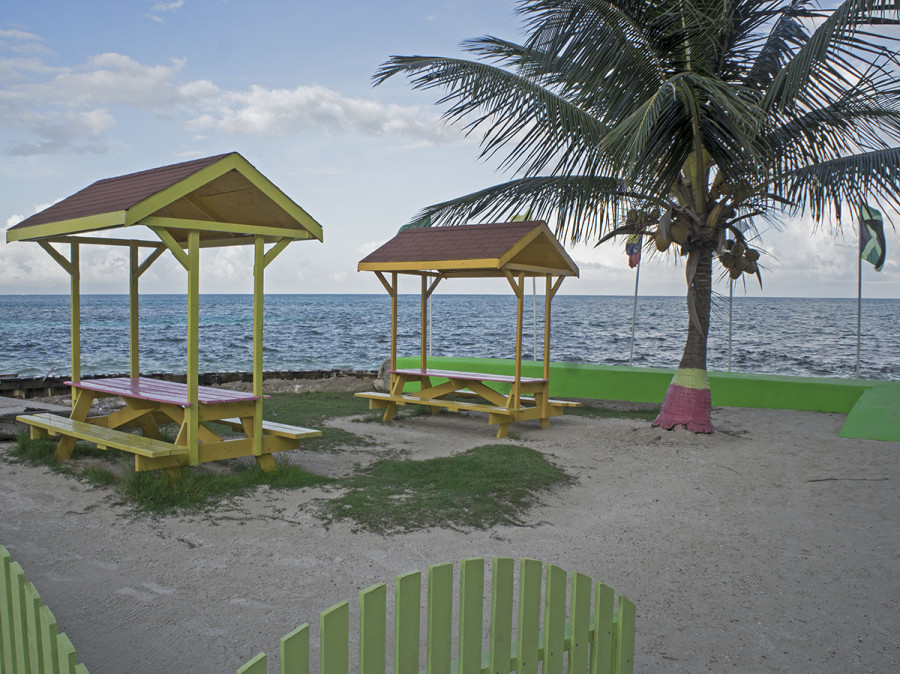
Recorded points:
(83, 400)
(266, 462)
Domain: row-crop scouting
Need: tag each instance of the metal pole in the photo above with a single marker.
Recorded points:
(637, 278)
(534, 311)
(430, 313)
(730, 300)
(858, 305)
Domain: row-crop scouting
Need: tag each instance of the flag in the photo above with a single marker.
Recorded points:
(871, 237)
(633, 249)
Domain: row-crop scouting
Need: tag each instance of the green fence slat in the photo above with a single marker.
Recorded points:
(255, 666)
(407, 598)
(372, 629)
(601, 642)
(295, 651)
(7, 645)
(531, 572)
(440, 619)
(579, 622)
(20, 630)
(334, 639)
(624, 632)
(33, 627)
(49, 630)
(554, 620)
(81, 669)
(471, 614)
(500, 641)
(66, 652)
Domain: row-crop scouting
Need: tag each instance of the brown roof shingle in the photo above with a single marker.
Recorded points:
(462, 242)
(117, 194)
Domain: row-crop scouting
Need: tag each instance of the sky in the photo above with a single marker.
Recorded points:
(95, 89)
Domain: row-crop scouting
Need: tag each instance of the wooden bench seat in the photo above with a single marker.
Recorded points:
(467, 376)
(273, 428)
(451, 405)
(103, 437)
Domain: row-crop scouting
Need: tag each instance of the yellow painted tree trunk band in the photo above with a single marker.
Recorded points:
(691, 378)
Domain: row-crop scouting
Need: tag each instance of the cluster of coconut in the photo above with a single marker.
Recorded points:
(738, 258)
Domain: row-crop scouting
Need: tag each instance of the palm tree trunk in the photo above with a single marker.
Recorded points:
(688, 401)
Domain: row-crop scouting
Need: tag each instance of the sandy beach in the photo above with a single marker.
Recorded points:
(770, 546)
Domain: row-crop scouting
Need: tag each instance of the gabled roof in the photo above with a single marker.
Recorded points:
(223, 196)
(474, 250)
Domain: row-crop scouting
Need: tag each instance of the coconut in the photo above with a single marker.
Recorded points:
(727, 260)
(751, 267)
(752, 255)
(738, 249)
(679, 231)
(735, 273)
(662, 244)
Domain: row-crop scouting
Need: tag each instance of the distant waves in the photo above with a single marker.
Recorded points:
(811, 337)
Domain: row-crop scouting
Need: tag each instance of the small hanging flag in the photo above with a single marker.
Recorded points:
(871, 237)
(633, 249)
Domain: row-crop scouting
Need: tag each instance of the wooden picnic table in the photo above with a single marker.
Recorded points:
(528, 398)
(150, 403)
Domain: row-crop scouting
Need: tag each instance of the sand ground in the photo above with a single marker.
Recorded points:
(770, 546)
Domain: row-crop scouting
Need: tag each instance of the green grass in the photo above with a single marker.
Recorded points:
(198, 488)
(485, 486)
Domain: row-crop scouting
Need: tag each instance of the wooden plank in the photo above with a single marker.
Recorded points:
(372, 629)
(601, 639)
(295, 651)
(500, 639)
(471, 614)
(530, 575)
(51, 635)
(7, 642)
(623, 662)
(19, 619)
(554, 620)
(67, 660)
(579, 623)
(454, 374)
(255, 666)
(34, 631)
(281, 430)
(451, 405)
(105, 437)
(407, 595)
(334, 639)
(440, 619)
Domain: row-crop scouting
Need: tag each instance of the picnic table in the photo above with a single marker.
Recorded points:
(150, 403)
(528, 397)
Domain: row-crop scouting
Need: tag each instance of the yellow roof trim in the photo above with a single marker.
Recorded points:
(224, 227)
(85, 224)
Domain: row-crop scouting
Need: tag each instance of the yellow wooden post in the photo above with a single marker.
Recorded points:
(134, 368)
(75, 285)
(394, 294)
(424, 330)
(520, 315)
(192, 413)
(547, 298)
(258, 298)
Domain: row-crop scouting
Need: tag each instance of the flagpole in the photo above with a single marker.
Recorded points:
(858, 301)
(637, 277)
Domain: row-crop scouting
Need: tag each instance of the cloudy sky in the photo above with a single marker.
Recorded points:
(95, 89)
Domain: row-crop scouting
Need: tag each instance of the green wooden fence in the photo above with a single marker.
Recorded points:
(581, 638)
(29, 642)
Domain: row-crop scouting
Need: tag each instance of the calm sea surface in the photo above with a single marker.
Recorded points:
(812, 337)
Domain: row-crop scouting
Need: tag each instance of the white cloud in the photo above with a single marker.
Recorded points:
(68, 109)
(167, 6)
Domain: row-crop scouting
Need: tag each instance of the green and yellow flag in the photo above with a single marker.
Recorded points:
(871, 236)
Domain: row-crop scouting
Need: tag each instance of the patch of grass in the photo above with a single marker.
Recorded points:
(99, 477)
(312, 408)
(153, 493)
(42, 452)
(485, 486)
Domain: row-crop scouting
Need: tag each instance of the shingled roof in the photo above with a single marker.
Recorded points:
(474, 250)
(223, 195)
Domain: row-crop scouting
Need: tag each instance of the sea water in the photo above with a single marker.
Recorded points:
(794, 336)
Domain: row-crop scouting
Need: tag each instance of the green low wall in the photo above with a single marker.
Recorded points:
(645, 384)
(874, 416)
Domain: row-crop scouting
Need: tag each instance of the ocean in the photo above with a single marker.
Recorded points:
(792, 336)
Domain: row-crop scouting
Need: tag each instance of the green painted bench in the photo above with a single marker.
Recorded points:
(589, 634)
(29, 640)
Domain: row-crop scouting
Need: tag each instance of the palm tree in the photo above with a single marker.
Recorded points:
(686, 121)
